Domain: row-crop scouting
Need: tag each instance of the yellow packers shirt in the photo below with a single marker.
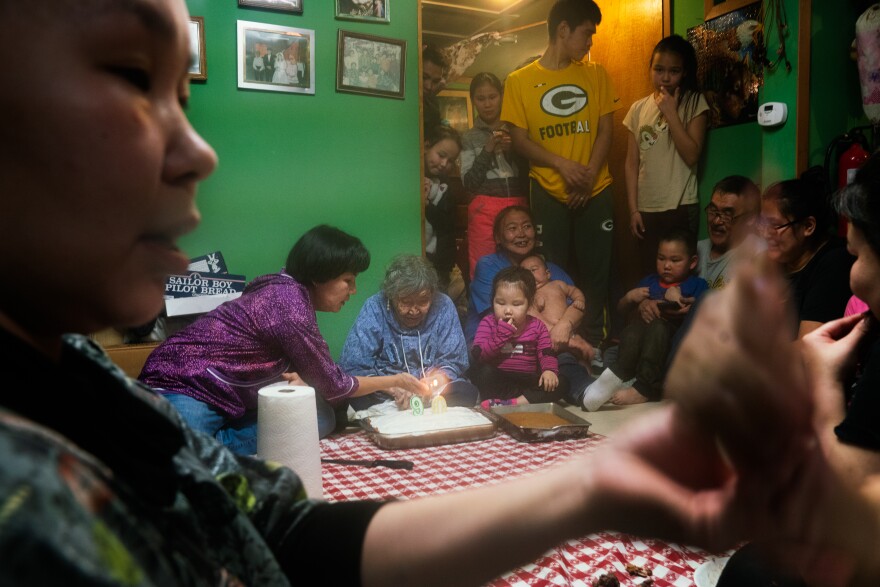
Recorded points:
(561, 111)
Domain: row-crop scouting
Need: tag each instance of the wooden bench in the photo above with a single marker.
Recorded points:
(131, 357)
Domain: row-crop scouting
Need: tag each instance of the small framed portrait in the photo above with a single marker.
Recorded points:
(198, 65)
(276, 58)
(294, 6)
(715, 8)
(456, 109)
(366, 64)
(365, 10)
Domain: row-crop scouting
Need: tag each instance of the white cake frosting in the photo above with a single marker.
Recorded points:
(404, 422)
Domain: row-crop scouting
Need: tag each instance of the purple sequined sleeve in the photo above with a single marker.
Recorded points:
(290, 322)
(227, 355)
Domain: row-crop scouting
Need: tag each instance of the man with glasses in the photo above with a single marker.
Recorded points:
(730, 217)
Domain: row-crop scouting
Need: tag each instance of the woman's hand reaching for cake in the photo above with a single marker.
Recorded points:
(411, 384)
(401, 397)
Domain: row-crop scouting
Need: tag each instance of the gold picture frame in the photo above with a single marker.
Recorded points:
(377, 11)
(198, 67)
(456, 109)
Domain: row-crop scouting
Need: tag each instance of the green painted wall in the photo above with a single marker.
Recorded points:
(779, 159)
(291, 161)
(747, 149)
(835, 99)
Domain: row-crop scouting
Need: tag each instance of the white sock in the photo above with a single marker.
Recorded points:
(601, 390)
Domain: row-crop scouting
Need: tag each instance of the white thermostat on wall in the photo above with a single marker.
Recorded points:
(772, 114)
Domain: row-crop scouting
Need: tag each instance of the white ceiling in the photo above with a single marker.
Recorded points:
(445, 22)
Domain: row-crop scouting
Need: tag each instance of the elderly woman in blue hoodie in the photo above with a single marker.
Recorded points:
(409, 327)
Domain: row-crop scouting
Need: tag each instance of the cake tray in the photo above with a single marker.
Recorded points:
(573, 428)
(432, 437)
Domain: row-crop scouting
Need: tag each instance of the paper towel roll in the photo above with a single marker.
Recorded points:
(287, 432)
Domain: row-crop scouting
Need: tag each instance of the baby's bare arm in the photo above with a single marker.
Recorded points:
(578, 300)
(555, 301)
(565, 317)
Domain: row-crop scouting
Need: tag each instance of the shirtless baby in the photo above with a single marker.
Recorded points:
(551, 301)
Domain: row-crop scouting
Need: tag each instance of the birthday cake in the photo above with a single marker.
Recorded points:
(404, 422)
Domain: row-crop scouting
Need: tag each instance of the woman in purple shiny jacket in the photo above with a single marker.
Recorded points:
(212, 370)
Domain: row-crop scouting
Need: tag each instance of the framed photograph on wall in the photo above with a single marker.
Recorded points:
(456, 109)
(715, 8)
(730, 53)
(294, 6)
(276, 58)
(198, 65)
(365, 10)
(366, 64)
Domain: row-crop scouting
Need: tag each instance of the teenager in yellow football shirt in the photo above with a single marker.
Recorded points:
(560, 109)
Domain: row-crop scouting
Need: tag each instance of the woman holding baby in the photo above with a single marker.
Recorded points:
(515, 240)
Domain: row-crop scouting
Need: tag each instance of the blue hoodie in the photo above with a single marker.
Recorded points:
(378, 344)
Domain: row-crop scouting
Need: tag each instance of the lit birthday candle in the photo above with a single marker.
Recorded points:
(418, 407)
(437, 384)
(438, 405)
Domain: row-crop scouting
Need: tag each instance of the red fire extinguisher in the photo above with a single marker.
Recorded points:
(850, 161)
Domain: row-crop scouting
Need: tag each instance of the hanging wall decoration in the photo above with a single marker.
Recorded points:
(730, 53)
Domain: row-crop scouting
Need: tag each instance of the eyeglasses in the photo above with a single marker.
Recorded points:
(764, 225)
(725, 216)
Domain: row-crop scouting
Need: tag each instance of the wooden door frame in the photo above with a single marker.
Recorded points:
(802, 117)
(666, 10)
(667, 18)
(421, 126)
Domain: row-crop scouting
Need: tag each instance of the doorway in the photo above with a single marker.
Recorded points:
(627, 34)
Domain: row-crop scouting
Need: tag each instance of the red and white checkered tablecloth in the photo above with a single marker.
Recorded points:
(440, 469)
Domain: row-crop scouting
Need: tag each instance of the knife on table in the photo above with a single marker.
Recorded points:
(391, 464)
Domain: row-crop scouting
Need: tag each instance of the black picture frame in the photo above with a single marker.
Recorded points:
(291, 6)
(378, 11)
(370, 65)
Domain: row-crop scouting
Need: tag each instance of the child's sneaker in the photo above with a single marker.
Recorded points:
(491, 403)
(597, 365)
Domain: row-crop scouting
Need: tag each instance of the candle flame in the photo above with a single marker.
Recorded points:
(438, 384)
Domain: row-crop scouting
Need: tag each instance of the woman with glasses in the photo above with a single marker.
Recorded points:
(409, 327)
(796, 222)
